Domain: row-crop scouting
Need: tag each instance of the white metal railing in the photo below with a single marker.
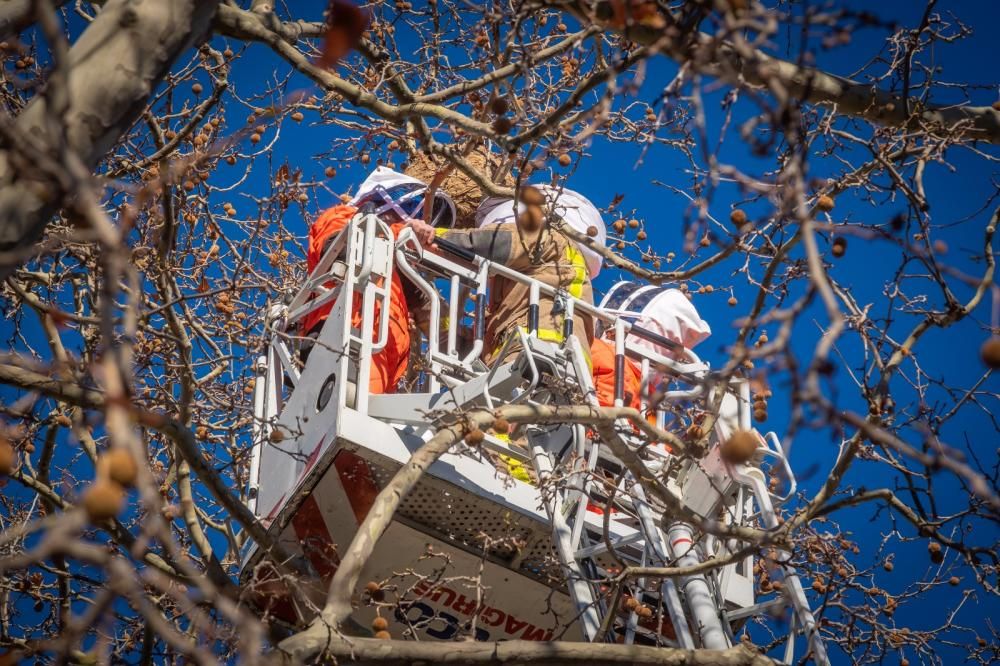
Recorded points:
(352, 276)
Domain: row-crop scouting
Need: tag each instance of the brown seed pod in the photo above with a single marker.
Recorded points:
(255, 138)
(760, 415)
(641, 236)
(645, 612)
(330, 172)
(7, 457)
(503, 125)
(532, 196)
(103, 500)
(475, 437)
(631, 603)
(501, 426)
(531, 218)
(695, 432)
(64, 421)
(888, 566)
(196, 88)
(499, 105)
(839, 247)
(738, 217)
(633, 224)
(383, 635)
(121, 467)
(297, 116)
(732, 301)
(990, 353)
(276, 436)
(619, 226)
(230, 160)
(380, 624)
(592, 231)
(564, 160)
(954, 580)
(740, 447)
(371, 587)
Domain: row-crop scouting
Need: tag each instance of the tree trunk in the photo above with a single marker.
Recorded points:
(112, 70)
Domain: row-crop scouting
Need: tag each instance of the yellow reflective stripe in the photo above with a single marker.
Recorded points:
(550, 335)
(575, 257)
(517, 469)
(441, 231)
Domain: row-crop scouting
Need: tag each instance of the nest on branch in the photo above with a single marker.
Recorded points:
(464, 191)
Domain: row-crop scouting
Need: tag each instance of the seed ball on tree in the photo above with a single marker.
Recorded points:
(503, 125)
(7, 457)
(825, 203)
(531, 218)
(276, 436)
(380, 624)
(592, 231)
(564, 160)
(383, 635)
(619, 226)
(695, 432)
(641, 236)
(475, 437)
(372, 587)
(297, 116)
(732, 301)
(499, 105)
(197, 88)
(760, 415)
(645, 612)
(738, 217)
(954, 580)
(839, 247)
(103, 500)
(532, 196)
(631, 603)
(64, 421)
(121, 466)
(255, 138)
(888, 566)
(633, 224)
(740, 447)
(501, 426)
(990, 353)
(330, 172)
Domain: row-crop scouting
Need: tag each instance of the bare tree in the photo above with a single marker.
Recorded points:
(148, 222)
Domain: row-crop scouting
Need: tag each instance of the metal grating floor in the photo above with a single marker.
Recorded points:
(477, 525)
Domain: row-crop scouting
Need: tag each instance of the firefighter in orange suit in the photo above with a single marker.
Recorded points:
(395, 198)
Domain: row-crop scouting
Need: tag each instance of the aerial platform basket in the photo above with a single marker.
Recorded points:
(482, 546)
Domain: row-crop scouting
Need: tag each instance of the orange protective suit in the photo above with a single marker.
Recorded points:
(389, 363)
(602, 355)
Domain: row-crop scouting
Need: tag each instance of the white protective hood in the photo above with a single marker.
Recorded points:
(571, 206)
(386, 178)
(666, 312)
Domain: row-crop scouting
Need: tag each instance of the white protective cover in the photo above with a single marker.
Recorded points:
(571, 206)
(386, 178)
(670, 313)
